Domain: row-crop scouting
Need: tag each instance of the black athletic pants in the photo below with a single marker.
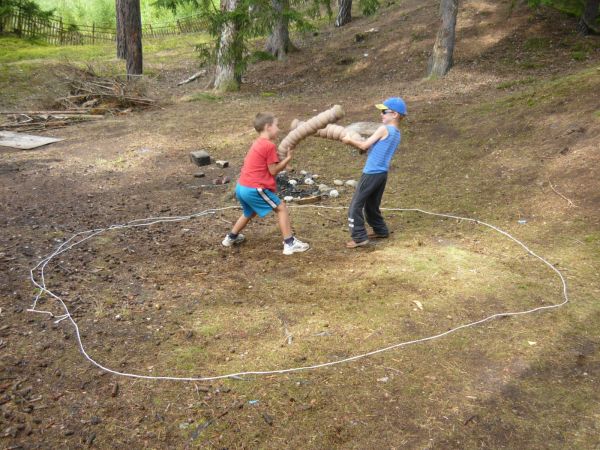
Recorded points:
(367, 197)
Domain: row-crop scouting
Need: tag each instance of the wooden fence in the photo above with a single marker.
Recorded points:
(54, 31)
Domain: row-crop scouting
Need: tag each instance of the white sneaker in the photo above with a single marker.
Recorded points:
(295, 247)
(228, 242)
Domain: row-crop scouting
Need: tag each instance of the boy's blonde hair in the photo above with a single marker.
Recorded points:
(263, 119)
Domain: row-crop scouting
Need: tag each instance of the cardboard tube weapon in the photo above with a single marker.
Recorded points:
(309, 128)
(332, 131)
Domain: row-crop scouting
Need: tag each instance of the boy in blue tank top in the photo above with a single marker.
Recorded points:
(380, 148)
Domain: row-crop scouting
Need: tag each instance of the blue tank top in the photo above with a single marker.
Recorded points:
(381, 152)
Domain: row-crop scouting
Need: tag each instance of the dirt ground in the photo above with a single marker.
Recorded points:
(508, 137)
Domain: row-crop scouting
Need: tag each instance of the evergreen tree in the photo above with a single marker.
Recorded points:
(120, 20)
(279, 43)
(443, 50)
(129, 35)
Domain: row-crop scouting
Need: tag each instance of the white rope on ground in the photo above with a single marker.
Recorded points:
(83, 236)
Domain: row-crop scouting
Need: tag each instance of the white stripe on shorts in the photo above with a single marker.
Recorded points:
(266, 198)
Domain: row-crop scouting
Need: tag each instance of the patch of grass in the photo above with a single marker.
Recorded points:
(579, 55)
(118, 163)
(530, 65)
(125, 313)
(186, 358)
(13, 50)
(544, 92)
(203, 96)
(189, 42)
(261, 55)
(418, 36)
(156, 51)
(268, 94)
(537, 44)
(514, 83)
(593, 238)
(531, 102)
(597, 114)
(208, 330)
(580, 50)
(103, 305)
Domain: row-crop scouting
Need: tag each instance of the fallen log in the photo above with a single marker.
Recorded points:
(138, 100)
(193, 77)
(36, 113)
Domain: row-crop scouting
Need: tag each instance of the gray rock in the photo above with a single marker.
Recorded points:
(90, 439)
(222, 164)
(338, 182)
(323, 188)
(221, 180)
(199, 175)
(268, 418)
(200, 158)
(351, 183)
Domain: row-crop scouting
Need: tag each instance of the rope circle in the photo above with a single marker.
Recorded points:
(37, 277)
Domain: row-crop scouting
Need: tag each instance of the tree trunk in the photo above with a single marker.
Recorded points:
(279, 43)
(587, 23)
(227, 78)
(120, 16)
(132, 27)
(442, 57)
(344, 14)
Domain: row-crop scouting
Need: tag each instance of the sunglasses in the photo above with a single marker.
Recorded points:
(386, 111)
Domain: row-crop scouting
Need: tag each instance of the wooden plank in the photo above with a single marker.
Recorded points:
(24, 141)
(308, 200)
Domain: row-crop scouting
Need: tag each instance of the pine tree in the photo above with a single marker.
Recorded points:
(132, 30)
(279, 43)
(588, 23)
(443, 50)
(344, 13)
(120, 16)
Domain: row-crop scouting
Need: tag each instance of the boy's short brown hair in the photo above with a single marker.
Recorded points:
(263, 119)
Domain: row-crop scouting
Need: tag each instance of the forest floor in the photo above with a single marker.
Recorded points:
(507, 137)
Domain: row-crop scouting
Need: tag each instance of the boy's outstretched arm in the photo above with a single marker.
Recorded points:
(274, 169)
(363, 146)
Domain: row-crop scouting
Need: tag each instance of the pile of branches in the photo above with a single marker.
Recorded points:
(109, 94)
(41, 120)
(89, 97)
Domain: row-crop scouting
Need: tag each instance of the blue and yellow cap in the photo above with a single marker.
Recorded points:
(395, 104)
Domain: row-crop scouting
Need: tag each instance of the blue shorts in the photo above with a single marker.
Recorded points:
(256, 200)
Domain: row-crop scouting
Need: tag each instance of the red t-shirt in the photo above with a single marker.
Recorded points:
(255, 172)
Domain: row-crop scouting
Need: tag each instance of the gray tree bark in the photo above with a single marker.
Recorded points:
(443, 50)
(132, 27)
(226, 78)
(587, 23)
(279, 43)
(120, 16)
(344, 13)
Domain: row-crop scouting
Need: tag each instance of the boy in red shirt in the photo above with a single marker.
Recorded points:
(256, 186)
